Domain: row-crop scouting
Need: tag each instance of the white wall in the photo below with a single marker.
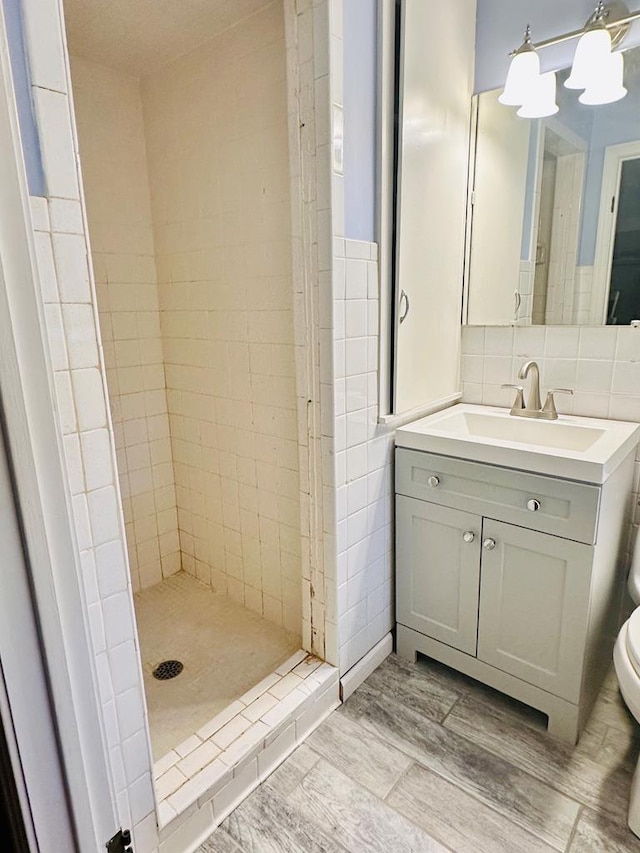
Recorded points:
(360, 57)
(216, 131)
(114, 168)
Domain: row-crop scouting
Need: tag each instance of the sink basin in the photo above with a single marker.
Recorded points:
(559, 434)
(576, 448)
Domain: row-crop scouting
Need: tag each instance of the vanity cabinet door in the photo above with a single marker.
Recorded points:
(534, 606)
(438, 568)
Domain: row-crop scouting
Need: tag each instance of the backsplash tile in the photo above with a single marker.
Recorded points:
(578, 358)
(600, 364)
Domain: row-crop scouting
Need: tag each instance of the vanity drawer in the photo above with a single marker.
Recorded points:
(563, 507)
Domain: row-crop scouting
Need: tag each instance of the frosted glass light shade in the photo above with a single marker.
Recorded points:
(607, 85)
(542, 101)
(592, 52)
(524, 72)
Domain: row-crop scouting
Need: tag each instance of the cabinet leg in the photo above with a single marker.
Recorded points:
(405, 645)
(565, 725)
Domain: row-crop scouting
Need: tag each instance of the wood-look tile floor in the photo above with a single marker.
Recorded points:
(421, 758)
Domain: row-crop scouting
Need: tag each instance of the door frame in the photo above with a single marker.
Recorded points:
(43, 501)
(14, 787)
(614, 157)
(385, 214)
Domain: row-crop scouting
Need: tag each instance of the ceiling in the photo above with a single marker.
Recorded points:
(140, 36)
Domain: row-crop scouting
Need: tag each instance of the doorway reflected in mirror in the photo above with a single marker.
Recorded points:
(555, 212)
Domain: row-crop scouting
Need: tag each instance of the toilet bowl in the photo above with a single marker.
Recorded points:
(626, 659)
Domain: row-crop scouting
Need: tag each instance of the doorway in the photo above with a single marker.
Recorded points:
(624, 280)
(557, 237)
(12, 824)
(616, 293)
(183, 139)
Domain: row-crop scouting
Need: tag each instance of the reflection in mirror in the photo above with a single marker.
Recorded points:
(555, 228)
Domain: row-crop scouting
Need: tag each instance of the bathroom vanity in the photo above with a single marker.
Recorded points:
(510, 540)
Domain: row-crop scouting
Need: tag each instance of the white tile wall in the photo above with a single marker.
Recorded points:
(82, 410)
(601, 364)
(364, 457)
(81, 403)
(307, 38)
(360, 508)
(563, 250)
(582, 296)
(524, 313)
(216, 130)
(113, 158)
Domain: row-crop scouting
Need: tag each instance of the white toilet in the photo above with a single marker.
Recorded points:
(626, 659)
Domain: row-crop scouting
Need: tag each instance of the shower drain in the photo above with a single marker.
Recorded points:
(168, 669)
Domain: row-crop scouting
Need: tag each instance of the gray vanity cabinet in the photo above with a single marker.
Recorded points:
(438, 571)
(534, 606)
(478, 587)
(519, 603)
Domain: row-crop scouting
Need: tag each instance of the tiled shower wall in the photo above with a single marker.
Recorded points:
(114, 167)
(216, 130)
(307, 37)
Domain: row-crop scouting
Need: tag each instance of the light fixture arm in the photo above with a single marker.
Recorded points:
(617, 26)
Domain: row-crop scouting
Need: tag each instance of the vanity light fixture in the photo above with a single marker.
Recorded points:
(542, 99)
(607, 87)
(592, 53)
(524, 73)
(596, 70)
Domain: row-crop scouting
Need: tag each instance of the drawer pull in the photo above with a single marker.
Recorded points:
(489, 544)
(469, 536)
(533, 505)
(433, 481)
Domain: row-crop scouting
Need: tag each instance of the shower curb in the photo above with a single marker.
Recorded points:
(306, 691)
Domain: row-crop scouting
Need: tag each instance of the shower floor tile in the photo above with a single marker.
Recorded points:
(224, 647)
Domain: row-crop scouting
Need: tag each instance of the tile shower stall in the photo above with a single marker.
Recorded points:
(185, 166)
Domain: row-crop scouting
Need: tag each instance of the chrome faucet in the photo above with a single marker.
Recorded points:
(533, 407)
(533, 401)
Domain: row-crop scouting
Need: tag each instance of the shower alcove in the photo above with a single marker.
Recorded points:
(183, 139)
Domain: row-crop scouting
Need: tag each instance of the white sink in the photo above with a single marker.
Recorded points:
(576, 448)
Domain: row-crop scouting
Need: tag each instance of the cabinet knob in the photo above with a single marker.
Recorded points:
(533, 505)
(469, 536)
(489, 544)
(433, 481)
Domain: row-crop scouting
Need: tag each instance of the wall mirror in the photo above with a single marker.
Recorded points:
(554, 207)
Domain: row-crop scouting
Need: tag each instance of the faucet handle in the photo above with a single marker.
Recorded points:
(518, 403)
(550, 403)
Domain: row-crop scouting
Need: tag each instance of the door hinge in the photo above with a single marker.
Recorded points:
(120, 843)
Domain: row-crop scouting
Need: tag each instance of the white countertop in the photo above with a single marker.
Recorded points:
(574, 448)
